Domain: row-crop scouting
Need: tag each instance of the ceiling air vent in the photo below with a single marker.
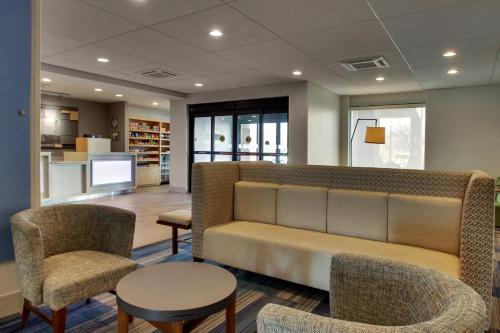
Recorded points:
(157, 73)
(365, 63)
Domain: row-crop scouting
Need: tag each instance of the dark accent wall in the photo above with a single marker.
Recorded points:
(15, 87)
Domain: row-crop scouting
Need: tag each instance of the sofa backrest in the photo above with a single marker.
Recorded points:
(423, 221)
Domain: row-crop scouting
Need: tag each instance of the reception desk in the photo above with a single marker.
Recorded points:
(85, 175)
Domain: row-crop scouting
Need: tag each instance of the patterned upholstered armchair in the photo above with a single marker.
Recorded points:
(66, 254)
(373, 295)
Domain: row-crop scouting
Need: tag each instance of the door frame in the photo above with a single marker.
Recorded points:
(34, 112)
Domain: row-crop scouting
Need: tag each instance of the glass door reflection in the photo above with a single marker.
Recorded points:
(202, 139)
(248, 137)
(223, 138)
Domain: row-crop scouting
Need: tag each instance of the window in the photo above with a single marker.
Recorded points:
(404, 145)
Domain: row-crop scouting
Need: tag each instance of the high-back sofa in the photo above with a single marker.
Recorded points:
(287, 221)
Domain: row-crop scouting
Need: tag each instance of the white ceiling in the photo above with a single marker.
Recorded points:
(80, 88)
(265, 40)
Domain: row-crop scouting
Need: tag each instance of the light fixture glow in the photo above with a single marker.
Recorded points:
(215, 33)
(98, 89)
(380, 78)
(46, 79)
(119, 95)
(449, 54)
(198, 84)
(453, 71)
(103, 60)
(155, 103)
(297, 73)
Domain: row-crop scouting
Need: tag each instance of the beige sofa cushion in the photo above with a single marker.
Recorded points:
(302, 207)
(428, 222)
(255, 202)
(304, 256)
(358, 214)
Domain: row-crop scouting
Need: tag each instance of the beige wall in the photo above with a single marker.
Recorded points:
(463, 129)
(297, 93)
(162, 113)
(462, 125)
(92, 116)
(323, 126)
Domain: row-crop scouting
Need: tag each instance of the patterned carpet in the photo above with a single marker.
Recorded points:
(254, 291)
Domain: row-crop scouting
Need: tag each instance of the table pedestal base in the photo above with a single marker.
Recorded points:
(177, 326)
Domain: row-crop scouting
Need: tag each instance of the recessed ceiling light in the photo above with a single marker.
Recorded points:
(215, 33)
(380, 78)
(103, 60)
(155, 103)
(449, 54)
(199, 84)
(46, 79)
(98, 89)
(453, 71)
(249, 120)
(297, 73)
(119, 95)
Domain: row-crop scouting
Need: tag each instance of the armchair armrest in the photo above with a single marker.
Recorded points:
(212, 197)
(116, 230)
(29, 255)
(275, 318)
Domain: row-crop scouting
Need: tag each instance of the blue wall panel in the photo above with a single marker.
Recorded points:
(15, 80)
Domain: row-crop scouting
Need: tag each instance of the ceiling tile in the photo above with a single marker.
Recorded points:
(391, 76)
(79, 21)
(54, 60)
(237, 28)
(392, 88)
(338, 85)
(245, 78)
(152, 11)
(87, 55)
(389, 8)
(363, 38)
(476, 50)
(51, 43)
(310, 71)
(265, 54)
(289, 17)
(466, 69)
(456, 82)
(150, 45)
(474, 20)
(187, 85)
(204, 64)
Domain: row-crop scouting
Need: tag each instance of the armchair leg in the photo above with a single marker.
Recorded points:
(59, 320)
(26, 313)
(196, 259)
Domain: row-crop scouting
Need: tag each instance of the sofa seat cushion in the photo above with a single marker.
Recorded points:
(304, 256)
(74, 276)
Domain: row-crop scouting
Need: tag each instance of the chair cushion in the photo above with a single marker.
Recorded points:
(304, 256)
(428, 222)
(255, 202)
(181, 216)
(74, 276)
(302, 207)
(358, 214)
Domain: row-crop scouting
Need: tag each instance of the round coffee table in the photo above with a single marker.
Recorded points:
(176, 297)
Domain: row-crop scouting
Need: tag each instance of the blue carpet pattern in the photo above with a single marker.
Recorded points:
(254, 291)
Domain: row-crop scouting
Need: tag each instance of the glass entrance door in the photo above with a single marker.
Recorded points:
(239, 137)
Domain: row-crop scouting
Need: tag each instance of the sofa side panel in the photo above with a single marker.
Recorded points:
(212, 198)
(477, 236)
